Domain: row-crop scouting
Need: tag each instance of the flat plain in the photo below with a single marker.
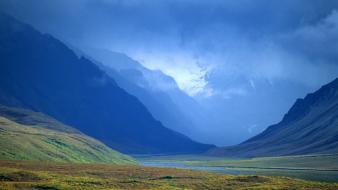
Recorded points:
(56, 176)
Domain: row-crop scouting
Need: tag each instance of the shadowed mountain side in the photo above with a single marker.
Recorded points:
(41, 73)
(28, 135)
(310, 126)
(150, 87)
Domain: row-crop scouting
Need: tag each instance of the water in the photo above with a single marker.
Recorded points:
(163, 164)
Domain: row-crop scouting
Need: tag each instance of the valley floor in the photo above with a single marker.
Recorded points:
(323, 168)
(53, 176)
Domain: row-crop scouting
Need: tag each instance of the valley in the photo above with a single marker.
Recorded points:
(83, 113)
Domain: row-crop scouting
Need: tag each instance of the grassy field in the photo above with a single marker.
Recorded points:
(310, 167)
(54, 176)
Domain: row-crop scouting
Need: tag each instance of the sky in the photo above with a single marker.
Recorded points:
(246, 61)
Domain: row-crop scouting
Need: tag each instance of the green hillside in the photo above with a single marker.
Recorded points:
(27, 135)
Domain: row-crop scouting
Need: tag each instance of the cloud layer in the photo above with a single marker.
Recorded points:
(190, 39)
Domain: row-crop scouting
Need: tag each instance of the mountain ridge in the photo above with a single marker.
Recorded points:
(309, 127)
(41, 73)
(151, 87)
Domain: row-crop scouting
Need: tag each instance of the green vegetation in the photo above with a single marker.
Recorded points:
(54, 176)
(309, 167)
(34, 136)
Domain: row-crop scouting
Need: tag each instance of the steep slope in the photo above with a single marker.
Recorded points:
(150, 87)
(27, 135)
(40, 73)
(310, 126)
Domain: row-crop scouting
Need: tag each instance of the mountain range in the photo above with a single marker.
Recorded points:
(41, 73)
(156, 90)
(309, 127)
(150, 87)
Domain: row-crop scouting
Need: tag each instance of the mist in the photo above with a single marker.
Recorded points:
(245, 62)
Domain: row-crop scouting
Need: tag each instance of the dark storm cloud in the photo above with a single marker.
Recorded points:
(159, 18)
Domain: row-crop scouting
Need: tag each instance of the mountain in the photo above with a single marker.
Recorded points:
(151, 87)
(41, 73)
(309, 127)
(28, 135)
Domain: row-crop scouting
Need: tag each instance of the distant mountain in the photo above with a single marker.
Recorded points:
(310, 127)
(151, 87)
(28, 135)
(41, 73)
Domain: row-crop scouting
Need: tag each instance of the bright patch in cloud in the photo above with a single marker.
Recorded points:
(185, 69)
